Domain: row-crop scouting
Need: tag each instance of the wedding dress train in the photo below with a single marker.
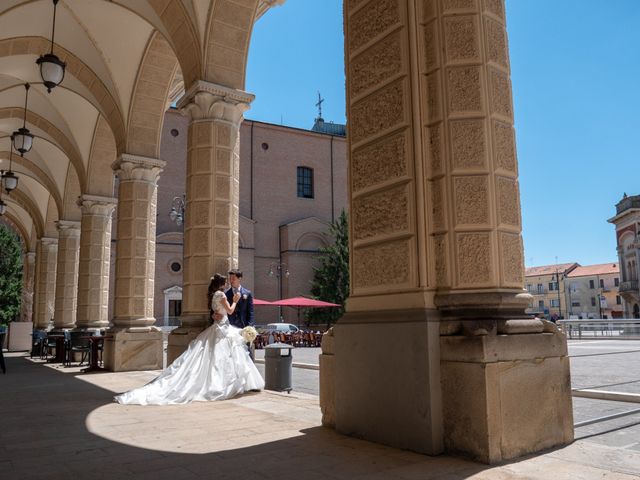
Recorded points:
(215, 366)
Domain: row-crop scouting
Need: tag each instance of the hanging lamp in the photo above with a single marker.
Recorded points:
(22, 138)
(51, 67)
(9, 179)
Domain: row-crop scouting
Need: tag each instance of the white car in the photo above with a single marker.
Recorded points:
(282, 327)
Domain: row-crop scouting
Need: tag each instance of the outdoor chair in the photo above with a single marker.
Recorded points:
(77, 342)
(49, 346)
(38, 341)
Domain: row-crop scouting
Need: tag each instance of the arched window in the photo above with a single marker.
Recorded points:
(305, 182)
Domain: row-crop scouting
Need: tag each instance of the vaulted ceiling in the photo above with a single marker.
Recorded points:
(127, 60)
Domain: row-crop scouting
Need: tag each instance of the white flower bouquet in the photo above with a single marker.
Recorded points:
(249, 334)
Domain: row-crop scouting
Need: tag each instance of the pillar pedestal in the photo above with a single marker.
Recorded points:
(133, 348)
(505, 396)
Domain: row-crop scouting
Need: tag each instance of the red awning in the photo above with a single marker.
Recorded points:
(303, 302)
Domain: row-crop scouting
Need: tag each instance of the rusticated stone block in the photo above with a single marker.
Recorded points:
(430, 48)
(380, 111)
(508, 201)
(382, 160)
(458, 5)
(376, 64)
(471, 200)
(473, 258)
(500, 88)
(368, 23)
(512, 258)
(381, 265)
(504, 146)
(435, 148)
(464, 87)
(437, 204)
(434, 98)
(468, 145)
(440, 251)
(461, 38)
(496, 40)
(381, 213)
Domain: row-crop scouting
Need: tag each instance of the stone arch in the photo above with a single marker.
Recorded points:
(309, 239)
(149, 98)
(20, 198)
(70, 209)
(61, 139)
(76, 67)
(53, 215)
(100, 177)
(227, 41)
(15, 223)
(183, 36)
(37, 174)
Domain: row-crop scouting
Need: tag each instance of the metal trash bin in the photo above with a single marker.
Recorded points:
(277, 367)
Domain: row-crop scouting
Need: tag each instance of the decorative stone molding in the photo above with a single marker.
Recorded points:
(208, 101)
(49, 242)
(137, 168)
(96, 205)
(68, 228)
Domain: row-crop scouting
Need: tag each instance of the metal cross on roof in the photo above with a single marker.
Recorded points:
(319, 105)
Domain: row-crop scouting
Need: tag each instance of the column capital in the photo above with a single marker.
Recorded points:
(97, 205)
(48, 241)
(31, 257)
(209, 101)
(136, 167)
(68, 228)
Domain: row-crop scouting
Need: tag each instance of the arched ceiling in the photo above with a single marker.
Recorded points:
(127, 60)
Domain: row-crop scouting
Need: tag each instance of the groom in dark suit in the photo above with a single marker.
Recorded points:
(243, 315)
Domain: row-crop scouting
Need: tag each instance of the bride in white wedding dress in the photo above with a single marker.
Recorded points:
(215, 366)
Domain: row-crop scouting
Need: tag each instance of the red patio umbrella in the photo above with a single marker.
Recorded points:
(303, 302)
(257, 301)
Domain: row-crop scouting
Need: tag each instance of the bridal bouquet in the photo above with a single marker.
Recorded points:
(249, 334)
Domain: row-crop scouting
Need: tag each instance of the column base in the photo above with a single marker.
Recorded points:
(179, 339)
(133, 349)
(387, 384)
(505, 396)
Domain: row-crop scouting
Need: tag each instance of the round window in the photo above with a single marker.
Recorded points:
(265, 146)
(176, 267)
(174, 132)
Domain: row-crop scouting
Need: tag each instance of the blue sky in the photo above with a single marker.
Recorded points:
(576, 87)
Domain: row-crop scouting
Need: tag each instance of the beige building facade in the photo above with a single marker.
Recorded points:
(627, 224)
(432, 188)
(593, 292)
(546, 284)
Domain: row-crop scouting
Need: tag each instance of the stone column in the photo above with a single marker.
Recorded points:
(28, 277)
(67, 274)
(212, 200)
(435, 242)
(95, 251)
(47, 258)
(133, 342)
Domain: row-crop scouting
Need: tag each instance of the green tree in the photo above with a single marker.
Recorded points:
(331, 278)
(10, 275)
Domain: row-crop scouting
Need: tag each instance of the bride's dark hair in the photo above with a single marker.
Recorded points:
(217, 282)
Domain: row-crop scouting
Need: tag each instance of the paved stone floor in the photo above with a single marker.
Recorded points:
(58, 423)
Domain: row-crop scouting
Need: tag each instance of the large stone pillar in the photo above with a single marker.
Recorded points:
(133, 343)
(436, 252)
(67, 274)
(212, 200)
(47, 259)
(95, 258)
(28, 278)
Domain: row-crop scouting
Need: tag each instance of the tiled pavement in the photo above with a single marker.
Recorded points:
(57, 423)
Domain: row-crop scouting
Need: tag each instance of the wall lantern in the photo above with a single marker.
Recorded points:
(22, 138)
(51, 67)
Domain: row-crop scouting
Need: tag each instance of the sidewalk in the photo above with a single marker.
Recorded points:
(58, 423)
